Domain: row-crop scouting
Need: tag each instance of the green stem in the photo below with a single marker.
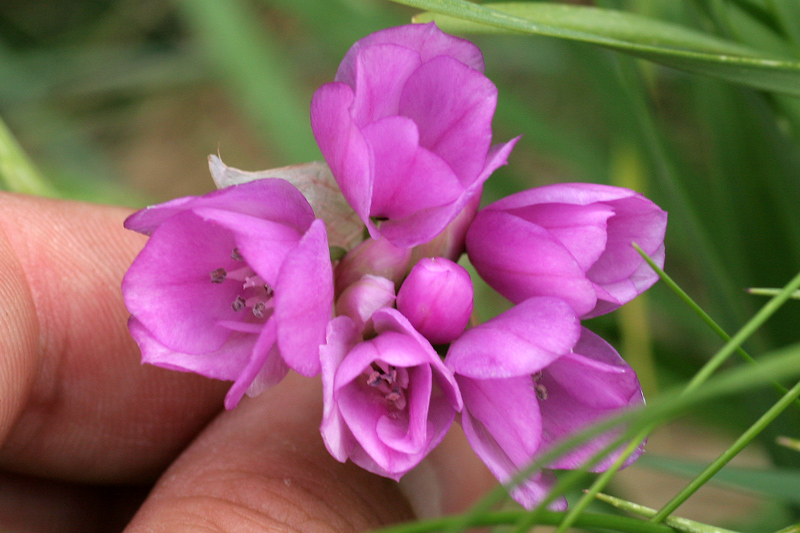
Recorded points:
(681, 524)
(551, 518)
(792, 444)
(666, 279)
(758, 291)
(728, 454)
(749, 328)
(17, 172)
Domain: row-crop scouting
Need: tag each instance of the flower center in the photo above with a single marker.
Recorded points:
(389, 381)
(255, 294)
(538, 386)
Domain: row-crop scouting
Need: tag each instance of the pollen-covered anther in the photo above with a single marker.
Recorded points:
(236, 256)
(374, 379)
(239, 303)
(218, 275)
(396, 397)
(259, 309)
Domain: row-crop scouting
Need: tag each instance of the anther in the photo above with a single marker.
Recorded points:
(218, 275)
(238, 304)
(236, 256)
(374, 379)
(541, 391)
(259, 309)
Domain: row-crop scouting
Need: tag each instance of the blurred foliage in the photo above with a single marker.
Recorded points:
(121, 101)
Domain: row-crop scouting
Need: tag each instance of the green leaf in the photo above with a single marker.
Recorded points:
(17, 172)
(780, 484)
(661, 42)
(251, 64)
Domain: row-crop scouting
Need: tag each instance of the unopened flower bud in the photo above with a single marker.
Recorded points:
(436, 297)
(377, 257)
(362, 298)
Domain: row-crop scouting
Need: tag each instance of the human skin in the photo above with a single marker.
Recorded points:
(92, 440)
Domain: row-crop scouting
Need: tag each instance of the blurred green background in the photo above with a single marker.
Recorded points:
(122, 100)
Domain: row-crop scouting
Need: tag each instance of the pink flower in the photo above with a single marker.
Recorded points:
(531, 377)
(406, 130)
(436, 298)
(572, 241)
(234, 285)
(388, 401)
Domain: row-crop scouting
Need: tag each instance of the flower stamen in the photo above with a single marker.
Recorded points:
(218, 275)
(385, 380)
(541, 391)
(239, 303)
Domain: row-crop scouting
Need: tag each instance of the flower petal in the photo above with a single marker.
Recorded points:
(262, 243)
(583, 388)
(424, 225)
(342, 335)
(520, 260)
(452, 106)
(521, 341)
(425, 39)
(581, 229)
(509, 411)
(225, 363)
(304, 301)
(378, 88)
(168, 287)
(343, 145)
(487, 417)
(388, 319)
(270, 199)
(263, 355)
(407, 178)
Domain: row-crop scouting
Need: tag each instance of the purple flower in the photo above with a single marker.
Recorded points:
(436, 297)
(388, 401)
(572, 241)
(406, 130)
(234, 285)
(531, 377)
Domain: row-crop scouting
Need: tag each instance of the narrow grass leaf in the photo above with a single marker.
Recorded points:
(779, 484)
(676, 522)
(249, 61)
(17, 172)
(664, 43)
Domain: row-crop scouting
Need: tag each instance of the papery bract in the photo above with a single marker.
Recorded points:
(436, 297)
(388, 401)
(573, 241)
(234, 285)
(512, 417)
(406, 130)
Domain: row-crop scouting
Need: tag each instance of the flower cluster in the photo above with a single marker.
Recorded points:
(240, 284)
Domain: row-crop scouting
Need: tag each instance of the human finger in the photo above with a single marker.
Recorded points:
(76, 402)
